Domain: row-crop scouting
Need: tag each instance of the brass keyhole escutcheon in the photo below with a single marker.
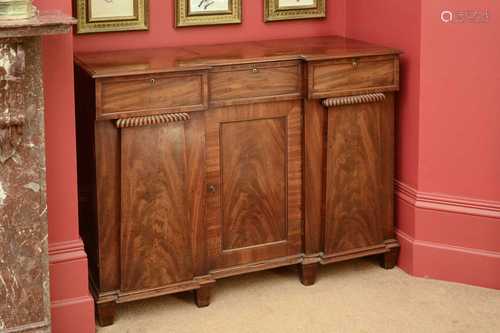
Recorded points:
(211, 189)
(255, 70)
(355, 63)
(154, 82)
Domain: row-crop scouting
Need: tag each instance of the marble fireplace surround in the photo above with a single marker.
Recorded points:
(24, 278)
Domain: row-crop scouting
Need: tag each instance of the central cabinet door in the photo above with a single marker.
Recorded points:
(254, 183)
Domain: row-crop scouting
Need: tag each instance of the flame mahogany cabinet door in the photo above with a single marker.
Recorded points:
(359, 179)
(254, 186)
(155, 240)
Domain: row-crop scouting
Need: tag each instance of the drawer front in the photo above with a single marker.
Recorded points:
(162, 92)
(353, 75)
(240, 82)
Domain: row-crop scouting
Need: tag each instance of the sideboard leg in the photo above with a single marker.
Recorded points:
(308, 273)
(202, 295)
(106, 313)
(389, 259)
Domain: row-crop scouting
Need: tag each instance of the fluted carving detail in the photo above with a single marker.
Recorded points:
(349, 100)
(152, 120)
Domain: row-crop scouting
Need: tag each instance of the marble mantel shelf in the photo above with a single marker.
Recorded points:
(46, 23)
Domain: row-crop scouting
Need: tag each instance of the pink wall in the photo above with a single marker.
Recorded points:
(460, 136)
(448, 206)
(460, 119)
(163, 34)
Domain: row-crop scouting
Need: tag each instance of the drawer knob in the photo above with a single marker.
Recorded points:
(154, 82)
(355, 63)
(255, 70)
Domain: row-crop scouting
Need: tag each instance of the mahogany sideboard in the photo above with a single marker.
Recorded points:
(198, 163)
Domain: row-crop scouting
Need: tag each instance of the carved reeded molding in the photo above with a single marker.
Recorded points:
(349, 100)
(152, 120)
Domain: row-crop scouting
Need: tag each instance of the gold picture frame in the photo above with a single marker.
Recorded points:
(185, 16)
(274, 10)
(127, 17)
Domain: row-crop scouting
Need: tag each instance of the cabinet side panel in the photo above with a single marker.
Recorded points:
(86, 169)
(354, 188)
(107, 152)
(253, 182)
(196, 170)
(155, 235)
(314, 152)
(294, 178)
(387, 149)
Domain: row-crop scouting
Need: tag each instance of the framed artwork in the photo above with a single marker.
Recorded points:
(111, 15)
(207, 12)
(279, 10)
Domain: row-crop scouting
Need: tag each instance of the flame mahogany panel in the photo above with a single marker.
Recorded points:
(155, 229)
(357, 207)
(254, 165)
(253, 182)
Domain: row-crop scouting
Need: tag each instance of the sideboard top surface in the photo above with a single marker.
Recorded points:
(145, 61)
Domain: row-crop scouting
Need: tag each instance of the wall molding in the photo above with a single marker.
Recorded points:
(66, 251)
(449, 262)
(75, 315)
(447, 247)
(72, 301)
(446, 203)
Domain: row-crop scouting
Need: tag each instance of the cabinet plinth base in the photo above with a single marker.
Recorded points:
(202, 295)
(105, 313)
(308, 273)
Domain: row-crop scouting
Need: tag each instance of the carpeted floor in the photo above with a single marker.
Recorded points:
(356, 296)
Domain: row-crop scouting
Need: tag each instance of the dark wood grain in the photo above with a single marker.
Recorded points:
(147, 61)
(353, 76)
(105, 313)
(308, 273)
(354, 213)
(85, 134)
(388, 260)
(155, 229)
(255, 80)
(195, 134)
(387, 151)
(107, 151)
(254, 155)
(314, 159)
(253, 182)
(145, 94)
(202, 295)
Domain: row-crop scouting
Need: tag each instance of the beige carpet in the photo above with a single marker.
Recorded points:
(355, 296)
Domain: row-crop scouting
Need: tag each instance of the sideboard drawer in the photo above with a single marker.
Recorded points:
(171, 92)
(240, 82)
(353, 75)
